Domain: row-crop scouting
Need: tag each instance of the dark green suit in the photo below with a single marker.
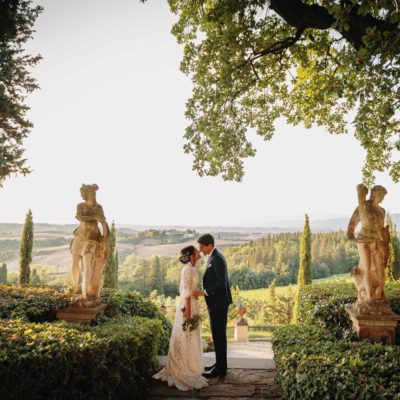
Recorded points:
(218, 298)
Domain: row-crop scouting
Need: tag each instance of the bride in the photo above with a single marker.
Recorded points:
(185, 357)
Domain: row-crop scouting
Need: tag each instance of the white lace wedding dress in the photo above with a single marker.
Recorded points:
(185, 356)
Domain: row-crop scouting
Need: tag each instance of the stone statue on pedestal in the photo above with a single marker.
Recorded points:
(89, 248)
(373, 244)
(371, 314)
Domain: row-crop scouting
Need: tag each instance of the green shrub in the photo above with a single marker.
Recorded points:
(113, 359)
(39, 304)
(313, 364)
(60, 360)
(33, 304)
(325, 304)
(321, 358)
(122, 304)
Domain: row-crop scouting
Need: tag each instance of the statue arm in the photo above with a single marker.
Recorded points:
(355, 219)
(102, 219)
(80, 216)
(100, 216)
(106, 230)
(362, 192)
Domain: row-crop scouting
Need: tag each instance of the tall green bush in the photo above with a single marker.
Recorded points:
(393, 266)
(25, 250)
(304, 275)
(110, 279)
(3, 273)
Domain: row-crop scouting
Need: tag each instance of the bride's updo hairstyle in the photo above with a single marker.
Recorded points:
(186, 253)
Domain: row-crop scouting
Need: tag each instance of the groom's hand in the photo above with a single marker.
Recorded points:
(197, 293)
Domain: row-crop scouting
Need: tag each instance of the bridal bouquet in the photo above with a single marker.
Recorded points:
(192, 323)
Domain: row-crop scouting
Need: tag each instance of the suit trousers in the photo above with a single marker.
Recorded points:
(218, 321)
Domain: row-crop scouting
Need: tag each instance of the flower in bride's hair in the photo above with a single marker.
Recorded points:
(184, 258)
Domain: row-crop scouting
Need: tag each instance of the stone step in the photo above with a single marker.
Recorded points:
(239, 384)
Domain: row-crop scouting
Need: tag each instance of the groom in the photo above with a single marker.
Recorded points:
(218, 296)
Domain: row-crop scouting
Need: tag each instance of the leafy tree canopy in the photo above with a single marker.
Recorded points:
(316, 62)
(16, 27)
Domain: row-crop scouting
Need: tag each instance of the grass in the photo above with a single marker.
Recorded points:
(263, 294)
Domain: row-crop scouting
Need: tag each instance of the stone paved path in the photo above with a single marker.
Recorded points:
(251, 375)
(239, 384)
(249, 355)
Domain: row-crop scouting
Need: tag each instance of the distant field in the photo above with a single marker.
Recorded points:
(168, 250)
(60, 256)
(263, 294)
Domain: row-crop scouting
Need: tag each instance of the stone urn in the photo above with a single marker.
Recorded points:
(241, 310)
(241, 333)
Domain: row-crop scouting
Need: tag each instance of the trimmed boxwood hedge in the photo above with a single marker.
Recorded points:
(66, 361)
(321, 357)
(313, 364)
(325, 304)
(39, 304)
(30, 303)
(122, 304)
(41, 358)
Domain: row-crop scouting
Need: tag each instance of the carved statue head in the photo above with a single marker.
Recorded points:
(378, 193)
(89, 191)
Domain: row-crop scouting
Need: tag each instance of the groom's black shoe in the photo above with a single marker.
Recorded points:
(214, 373)
(207, 369)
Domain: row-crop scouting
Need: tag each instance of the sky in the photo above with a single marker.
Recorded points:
(111, 111)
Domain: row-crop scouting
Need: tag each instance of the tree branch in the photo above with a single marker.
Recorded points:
(303, 16)
(277, 47)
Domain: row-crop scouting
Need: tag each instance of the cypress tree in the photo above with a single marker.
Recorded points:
(3, 273)
(116, 267)
(109, 279)
(25, 250)
(304, 276)
(393, 265)
(35, 280)
(156, 280)
(273, 305)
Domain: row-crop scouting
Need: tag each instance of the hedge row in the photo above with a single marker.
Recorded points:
(321, 357)
(60, 360)
(325, 304)
(122, 304)
(39, 304)
(41, 358)
(313, 364)
(30, 303)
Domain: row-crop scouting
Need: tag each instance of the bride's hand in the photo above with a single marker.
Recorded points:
(198, 293)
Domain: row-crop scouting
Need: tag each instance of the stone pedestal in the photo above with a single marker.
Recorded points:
(82, 315)
(241, 331)
(374, 327)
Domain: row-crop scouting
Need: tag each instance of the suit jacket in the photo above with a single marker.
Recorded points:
(216, 282)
